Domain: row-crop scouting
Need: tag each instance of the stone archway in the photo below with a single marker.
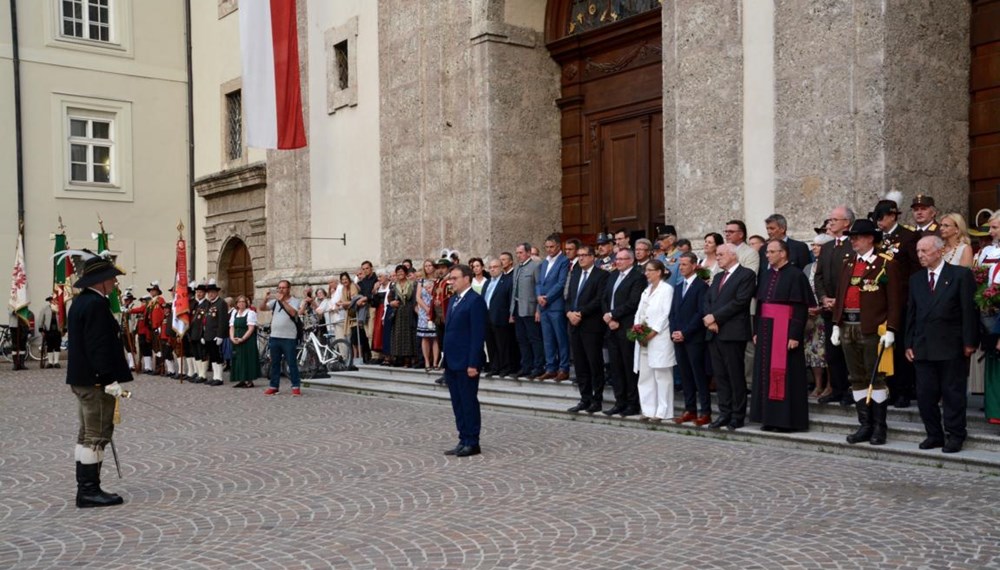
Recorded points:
(235, 275)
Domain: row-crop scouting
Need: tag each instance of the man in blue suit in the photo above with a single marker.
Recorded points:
(688, 334)
(549, 287)
(464, 335)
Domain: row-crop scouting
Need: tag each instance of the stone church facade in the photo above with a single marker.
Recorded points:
(475, 124)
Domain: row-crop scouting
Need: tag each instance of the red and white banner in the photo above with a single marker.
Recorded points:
(181, 313)
(272, 94)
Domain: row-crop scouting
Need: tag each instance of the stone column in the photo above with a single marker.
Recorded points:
(702, 114)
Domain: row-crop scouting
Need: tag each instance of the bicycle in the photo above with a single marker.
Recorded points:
(7, 345)
(264, 350)
(315, 356)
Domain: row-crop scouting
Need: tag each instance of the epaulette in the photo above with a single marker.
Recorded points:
(885, 256)
(909, 227)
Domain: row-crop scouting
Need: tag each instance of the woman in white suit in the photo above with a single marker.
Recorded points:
(655, 361)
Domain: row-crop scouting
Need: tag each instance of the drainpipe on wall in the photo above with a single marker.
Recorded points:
(192, 242)
(19, 158)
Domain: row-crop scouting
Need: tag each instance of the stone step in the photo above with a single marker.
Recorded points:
(826, 435)
(568, 393)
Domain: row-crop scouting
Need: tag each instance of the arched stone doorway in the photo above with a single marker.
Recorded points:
(236, 269)
(612, 113)
(984, 108)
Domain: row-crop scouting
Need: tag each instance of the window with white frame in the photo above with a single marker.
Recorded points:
(86, 19)
(91, 149)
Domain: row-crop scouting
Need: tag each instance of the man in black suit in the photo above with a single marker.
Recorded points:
(95, 367)
(621, 300)
(689, 341)
(499, 333)
(832, 256)
(727, 317)
(939, 341)
(464, 335)
(584, 310)
(798, 252)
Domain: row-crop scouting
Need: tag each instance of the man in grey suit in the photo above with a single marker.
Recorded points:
(525, 315)
(777, 228)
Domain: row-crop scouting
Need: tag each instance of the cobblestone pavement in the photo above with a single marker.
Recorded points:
(332, 480)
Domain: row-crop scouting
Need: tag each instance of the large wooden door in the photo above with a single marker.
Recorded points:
(239, 271)
(611, 104)
(984, 108)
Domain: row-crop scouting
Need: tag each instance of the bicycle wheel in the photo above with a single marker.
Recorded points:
(265, 362)
(5, 347)
(35, 348)
(309, 366)
(343, 355)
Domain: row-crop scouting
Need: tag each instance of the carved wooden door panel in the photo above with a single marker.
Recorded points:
(624, 164)
(984, 108)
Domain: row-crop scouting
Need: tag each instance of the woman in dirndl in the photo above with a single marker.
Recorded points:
(245, 367)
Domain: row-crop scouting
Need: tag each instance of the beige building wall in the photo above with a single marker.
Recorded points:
(139, 80)
(343, 126)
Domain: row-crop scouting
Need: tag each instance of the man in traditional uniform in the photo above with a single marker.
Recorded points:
(149, 326)
(605, 251)
(128, 320)
(866, 315)
(899, 243)
(924, 215)
(95, 367)
(49, 327)
(20, 330)
(216, 329)
(197, 336)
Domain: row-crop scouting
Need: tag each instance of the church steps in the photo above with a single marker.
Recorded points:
(827, 431)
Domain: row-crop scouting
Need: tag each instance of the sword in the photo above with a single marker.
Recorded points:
(871, 384)
(127, 394)
(114, 453)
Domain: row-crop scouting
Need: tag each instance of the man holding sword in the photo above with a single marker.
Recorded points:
(94, 371)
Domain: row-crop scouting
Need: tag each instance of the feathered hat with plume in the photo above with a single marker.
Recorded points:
(97, 267)
(888, 205)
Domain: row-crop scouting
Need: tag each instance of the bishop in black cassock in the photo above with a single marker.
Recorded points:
(779, 397)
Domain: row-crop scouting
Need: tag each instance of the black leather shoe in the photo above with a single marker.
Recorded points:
(613, 410)
(440, 381)
(595, 407)
(930, 443)
(453, 450)
(829, 398)
(901, 402)
(719, 422)
(630, 411)
(467, 450)
(578, 408)
(734, 425)
(952, 445)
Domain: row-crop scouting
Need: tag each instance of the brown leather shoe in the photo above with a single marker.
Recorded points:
(547, 376)
(685, 417)
(562, 376)
(703, 420)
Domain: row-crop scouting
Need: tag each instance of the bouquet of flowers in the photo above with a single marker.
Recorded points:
(987, 293)
(703, 273)
(639, 333)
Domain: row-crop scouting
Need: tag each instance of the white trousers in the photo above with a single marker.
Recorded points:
(656, 390)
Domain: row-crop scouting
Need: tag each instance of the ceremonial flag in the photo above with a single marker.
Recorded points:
(19, 282)
(62, 273)
(114, 296)
(272, 94)
(181, 306)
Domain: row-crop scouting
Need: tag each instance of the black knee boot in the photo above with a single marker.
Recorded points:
(864, 432)
(88, 487)
(879, 428)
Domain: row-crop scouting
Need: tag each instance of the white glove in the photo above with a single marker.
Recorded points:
(835, 336)
(159, 355)
(218, 341)
(114, 389)
(887, 339)
(202, 341)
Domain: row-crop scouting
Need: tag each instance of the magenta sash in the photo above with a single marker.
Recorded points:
(781, 316)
